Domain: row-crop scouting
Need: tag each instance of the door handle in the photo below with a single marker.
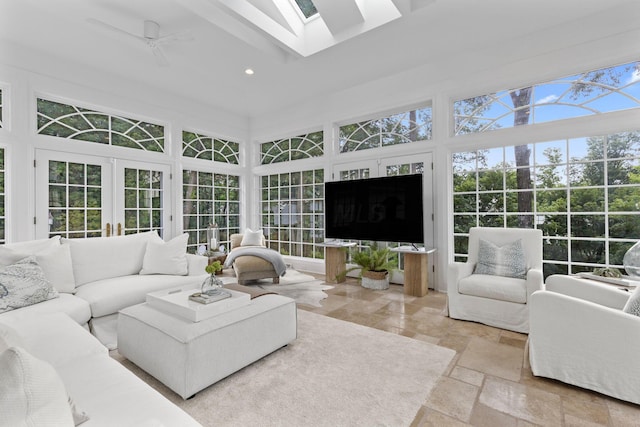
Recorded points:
(108, 231)
(119, 229)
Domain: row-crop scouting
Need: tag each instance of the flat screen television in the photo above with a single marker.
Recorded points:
(387, 209)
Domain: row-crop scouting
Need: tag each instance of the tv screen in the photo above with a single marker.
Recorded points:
(387, 209)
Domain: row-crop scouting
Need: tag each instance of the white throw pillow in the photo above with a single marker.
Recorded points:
(31, 246)
(252, 238)
(54, 260)
(23, 284)
(633, 303)
(31, 392)
(166, 257)
(9, 337)
(507, 260)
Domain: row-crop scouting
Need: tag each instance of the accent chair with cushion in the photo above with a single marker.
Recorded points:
(587, 333)
(494, 286)
(250, 267)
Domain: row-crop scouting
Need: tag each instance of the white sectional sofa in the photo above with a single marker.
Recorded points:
(96, 277)
(54, 373)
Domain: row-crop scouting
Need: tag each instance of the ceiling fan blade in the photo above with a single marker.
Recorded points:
(157, 52)
(113, 29)
(181, 36)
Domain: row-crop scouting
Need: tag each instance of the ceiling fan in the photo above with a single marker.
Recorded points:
(150, 37)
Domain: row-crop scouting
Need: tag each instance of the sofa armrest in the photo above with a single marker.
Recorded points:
(196, 264)
(457, 271)
(589, 290)
(535, 281)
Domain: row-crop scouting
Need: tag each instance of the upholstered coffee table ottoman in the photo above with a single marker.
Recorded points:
(189, 356)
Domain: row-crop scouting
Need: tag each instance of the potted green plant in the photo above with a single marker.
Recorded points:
(374, 265)
(211, 284)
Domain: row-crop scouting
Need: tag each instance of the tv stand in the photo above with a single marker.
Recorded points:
(416, 269)
(335, 259)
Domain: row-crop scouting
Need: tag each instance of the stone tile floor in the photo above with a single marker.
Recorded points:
(488, 383)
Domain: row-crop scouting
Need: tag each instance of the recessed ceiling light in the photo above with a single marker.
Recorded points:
(248, 72)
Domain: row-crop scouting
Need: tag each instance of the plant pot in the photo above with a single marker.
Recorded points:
(378, 280)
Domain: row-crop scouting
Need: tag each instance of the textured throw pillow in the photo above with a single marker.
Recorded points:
(31, 390)
(252, 238)
(55, 262)
(507, 260)
(23, 284)
(633, 303)
(166, 258)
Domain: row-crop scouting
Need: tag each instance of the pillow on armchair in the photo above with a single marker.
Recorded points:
(252, 238)
(507, 260)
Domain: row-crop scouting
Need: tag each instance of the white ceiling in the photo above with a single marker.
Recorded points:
(210, 68)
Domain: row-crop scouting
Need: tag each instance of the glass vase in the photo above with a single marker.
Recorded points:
(631, 260)
(211, 285)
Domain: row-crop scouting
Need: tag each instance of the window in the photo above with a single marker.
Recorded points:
(410, 126)
(143, 196)
(209, 148)
(299, 147)
(593, 92)
(307, 8)
(583, 193)
(210, 198)
(71, 122)
(293, 212)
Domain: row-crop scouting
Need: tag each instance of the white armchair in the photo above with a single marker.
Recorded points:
(580, 335)
(495, 300)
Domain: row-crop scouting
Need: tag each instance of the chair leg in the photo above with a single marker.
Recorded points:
(276, 280)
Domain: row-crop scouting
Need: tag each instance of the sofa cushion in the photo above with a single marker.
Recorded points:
(23, 284)
(494, 287)
(109, 296)
(31, 391)
(98, 258)
(55, 261)
(507, 260)
(166, 257)
(53, 337)
(76, 308)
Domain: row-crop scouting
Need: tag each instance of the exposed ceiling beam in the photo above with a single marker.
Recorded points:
(339, 15)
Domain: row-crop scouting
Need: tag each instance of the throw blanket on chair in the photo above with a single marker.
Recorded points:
(266, 254)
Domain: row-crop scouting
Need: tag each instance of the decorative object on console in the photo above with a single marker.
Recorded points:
(374, 265)
(631, 260)
(213, 237)
(212, 285)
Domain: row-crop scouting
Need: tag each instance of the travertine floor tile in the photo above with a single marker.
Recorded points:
(527, 403)
(492, 358)
(484, 416)
(441, 398)
(467, 375)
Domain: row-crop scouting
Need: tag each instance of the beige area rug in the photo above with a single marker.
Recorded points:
(303, 288)
(335, 373)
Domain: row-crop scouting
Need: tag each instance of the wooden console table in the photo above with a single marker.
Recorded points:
(335, 260)
(416, 269)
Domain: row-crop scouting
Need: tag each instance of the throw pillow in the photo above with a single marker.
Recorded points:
(633, 303)
(31, 389)
(507, 260)
(23, 284)
(9, 337)
(252, 238)
(54, 260)
(166, 257)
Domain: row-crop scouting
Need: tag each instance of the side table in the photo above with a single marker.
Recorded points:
(335, 260)
(416, 271)
(218, 256)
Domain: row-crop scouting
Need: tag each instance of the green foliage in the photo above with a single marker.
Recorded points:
(213, 268)
(373, 259)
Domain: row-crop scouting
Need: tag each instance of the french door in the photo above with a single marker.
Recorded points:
(88, 196)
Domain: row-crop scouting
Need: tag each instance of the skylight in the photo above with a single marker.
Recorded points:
(307, 8)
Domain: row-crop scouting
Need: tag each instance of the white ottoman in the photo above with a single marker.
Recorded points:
(188, 357)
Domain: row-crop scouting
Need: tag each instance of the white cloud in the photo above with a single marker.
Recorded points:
(635, 76)
(548, 99)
